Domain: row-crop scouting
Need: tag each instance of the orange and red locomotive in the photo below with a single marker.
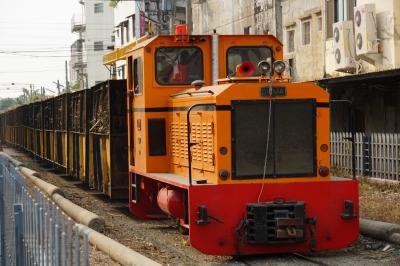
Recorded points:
(222, 141)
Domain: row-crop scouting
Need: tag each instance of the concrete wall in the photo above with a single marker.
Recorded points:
(308, 60)
(225, 16)
(268, 18)
(233, 16)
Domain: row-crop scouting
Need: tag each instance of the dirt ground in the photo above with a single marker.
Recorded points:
(379, 201)
(162, 242)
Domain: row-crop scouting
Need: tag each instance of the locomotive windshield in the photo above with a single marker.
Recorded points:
(251, 55)
(178, 65)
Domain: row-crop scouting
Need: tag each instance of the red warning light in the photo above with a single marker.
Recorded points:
(245, 69)
(181, 33)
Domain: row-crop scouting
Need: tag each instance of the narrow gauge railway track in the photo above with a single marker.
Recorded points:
(297, 256)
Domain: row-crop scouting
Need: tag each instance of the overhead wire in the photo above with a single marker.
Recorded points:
(31, 71)
(267, 145)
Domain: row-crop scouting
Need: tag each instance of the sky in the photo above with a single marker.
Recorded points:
(35, 40)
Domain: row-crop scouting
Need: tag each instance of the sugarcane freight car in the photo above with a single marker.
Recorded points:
(36, 129)
(11, 127)
(81, 138)
(242, 164)
(108, 139)
(48, 130)
(60, 132)
(2, 128)
(78, 161)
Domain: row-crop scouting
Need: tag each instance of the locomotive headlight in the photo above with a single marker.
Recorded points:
(264, 67)
(279, 66)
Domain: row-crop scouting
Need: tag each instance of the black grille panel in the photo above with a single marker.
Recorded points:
(291, 148)
(272, 223)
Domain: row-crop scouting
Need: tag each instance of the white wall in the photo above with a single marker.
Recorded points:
(99, 27)
(121, 13)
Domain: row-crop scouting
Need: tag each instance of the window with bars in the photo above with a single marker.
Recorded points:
(338, 10)
(306, 32)
(98, 46)
(98, 8)
(319, 21)
(290, 31)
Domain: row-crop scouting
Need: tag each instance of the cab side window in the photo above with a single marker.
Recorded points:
(178, 65)
(136, 75)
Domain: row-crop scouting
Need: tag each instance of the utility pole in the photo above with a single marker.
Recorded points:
(189, 21)
(139, 8)
(58, 86)
(66, 77)
(172, 18)
(31, 92)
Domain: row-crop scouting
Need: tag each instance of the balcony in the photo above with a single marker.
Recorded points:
(78, 56)
(77, 23)
(77, 46)
(79, 65)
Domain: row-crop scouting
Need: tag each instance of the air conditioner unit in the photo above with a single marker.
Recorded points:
(343, 46)
(365, 29)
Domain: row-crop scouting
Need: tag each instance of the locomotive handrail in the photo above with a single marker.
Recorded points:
(188, 135)
(192, 92)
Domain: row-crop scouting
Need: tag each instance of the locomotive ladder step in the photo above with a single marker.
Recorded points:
(135, 191)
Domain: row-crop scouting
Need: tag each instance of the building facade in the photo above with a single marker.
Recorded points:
(133, 20)
(360, 63)
(94, 28)
(297, 23)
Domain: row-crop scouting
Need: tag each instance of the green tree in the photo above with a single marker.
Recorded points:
(7, 103)
(114, 3)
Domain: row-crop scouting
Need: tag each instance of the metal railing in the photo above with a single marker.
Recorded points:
(377, 154)
(33, 230)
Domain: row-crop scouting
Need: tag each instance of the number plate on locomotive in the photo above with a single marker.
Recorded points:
(273, 91)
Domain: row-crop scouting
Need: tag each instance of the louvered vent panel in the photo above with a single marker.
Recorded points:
(175, 139)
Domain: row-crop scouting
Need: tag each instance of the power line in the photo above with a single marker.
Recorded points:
(77, 50)
(31, 71)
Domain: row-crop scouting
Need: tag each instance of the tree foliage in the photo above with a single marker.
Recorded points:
(114, 3)
(7, 103)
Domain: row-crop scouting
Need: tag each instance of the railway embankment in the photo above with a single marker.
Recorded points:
(162, 242)
(89, 223)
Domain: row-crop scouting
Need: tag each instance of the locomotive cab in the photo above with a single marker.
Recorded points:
(241, 157)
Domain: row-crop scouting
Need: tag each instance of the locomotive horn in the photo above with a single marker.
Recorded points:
(245, 69)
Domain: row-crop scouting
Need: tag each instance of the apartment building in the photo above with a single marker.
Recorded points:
(133, 20)
(94, 29)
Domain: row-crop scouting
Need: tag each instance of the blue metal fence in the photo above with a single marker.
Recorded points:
(33, 230)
